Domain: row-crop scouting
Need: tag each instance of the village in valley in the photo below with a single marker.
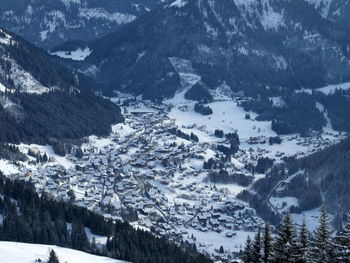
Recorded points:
(156, 171)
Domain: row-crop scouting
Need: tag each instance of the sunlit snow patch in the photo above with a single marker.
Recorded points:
(5, 38)
(28, 253)
(78, 55)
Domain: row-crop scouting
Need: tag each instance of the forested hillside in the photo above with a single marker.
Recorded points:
(41, 100)
(47, 24)
(233, 43)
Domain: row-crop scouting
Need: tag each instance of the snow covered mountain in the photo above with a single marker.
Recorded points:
(12, 252)
(33, 90)
(48, 23)
(21, 68)
(254, 46)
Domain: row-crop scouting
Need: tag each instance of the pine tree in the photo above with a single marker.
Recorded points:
(285, 245)
(303, 244)
(257, 257)
(267, 242)
(79, 238)
(342, 245)
(53, 257)
(247, 256)
(321, 251)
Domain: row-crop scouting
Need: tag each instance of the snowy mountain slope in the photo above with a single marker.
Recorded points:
(48, 23)
(249, 45)
(33, 91)
(11, 252)
(21, 68)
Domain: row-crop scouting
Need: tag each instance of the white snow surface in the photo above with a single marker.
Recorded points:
(271, 19)
(2, 88)
(50, 153)
(312, 218)
(100, 13)
(226, 116)
(11, 252)
(78, 55)
(214, 240)
(7, 168)
(283, 204)
(178, 3)
(330, 89)
(6, 39)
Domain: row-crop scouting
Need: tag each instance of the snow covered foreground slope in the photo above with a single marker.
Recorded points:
(11, 252)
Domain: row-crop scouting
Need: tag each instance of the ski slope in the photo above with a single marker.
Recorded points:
(12, 252)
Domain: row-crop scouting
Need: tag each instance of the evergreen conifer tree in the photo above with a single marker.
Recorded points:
(285, 245)
(267, 242)
(342, 245)
(247, 256)
(321, 250)
(257, 256)
(303, 244)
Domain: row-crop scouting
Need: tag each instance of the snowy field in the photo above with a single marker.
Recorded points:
(78, 55)
(11, 252)
(312, 218)
(212, 240)
(7, 168)
(227, 116)
(2, 88)
(329, 89)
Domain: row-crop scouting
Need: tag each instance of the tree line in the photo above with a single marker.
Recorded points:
(295, 244)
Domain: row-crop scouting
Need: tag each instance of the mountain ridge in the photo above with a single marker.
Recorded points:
(59, 21)
(225, 42)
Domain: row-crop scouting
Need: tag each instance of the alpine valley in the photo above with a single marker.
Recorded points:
(172, 131)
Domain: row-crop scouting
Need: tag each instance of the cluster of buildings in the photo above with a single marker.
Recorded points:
(148, 176)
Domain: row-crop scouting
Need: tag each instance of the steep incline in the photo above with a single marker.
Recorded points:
(40, 100)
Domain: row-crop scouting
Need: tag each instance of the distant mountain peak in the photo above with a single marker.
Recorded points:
(48, 24)
(249, 45)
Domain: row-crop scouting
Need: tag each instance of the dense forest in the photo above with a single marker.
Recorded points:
(28, 217)
(198, 93)
(59, 115)
(295, 244)
(326, 176)
(301, 113)
(298, 114)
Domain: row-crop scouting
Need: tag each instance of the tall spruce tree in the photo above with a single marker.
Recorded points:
(247, 256)
(257, 255)
(303, 245)
(285, 246)
(267, 242)
(342, 245)
(322, 247)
